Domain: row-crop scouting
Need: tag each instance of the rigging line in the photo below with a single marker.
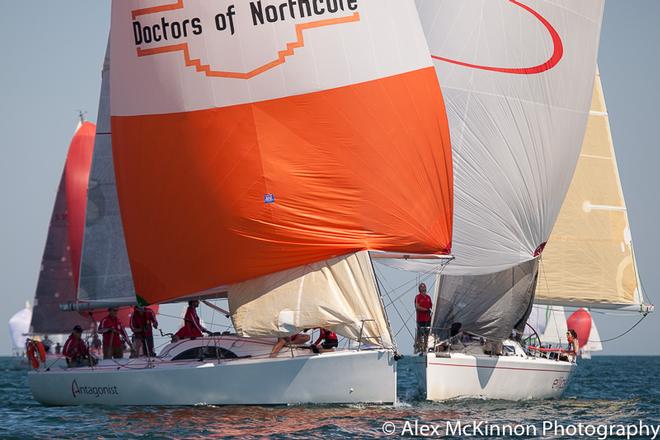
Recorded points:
(404, 324)
(551, 310)
(639, 278)
(426, 275)
(430, 271)
(624, 333)
(379, 279)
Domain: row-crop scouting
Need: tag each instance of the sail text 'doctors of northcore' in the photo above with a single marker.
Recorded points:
(165, 29)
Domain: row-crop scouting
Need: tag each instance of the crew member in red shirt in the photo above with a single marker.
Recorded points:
(75, 349)
(423, 306)
(143, 321)
(192, 327)
(114, 335)
(327, 339)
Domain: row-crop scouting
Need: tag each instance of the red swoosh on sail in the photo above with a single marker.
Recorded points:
(557, 53)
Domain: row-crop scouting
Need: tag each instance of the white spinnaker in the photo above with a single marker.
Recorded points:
(19, 325)
(594, 343)
(517, 117)
(105, 273)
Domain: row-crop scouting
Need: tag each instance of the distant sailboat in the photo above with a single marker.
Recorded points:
(594, 343)
(517, 78)
(58, 276)
(270, 167)
(19, 325)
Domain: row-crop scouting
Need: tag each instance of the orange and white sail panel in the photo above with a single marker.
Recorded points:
(256, 136)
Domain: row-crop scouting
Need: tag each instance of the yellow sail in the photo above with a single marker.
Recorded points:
(589, 258)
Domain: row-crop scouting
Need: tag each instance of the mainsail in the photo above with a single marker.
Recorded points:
(517, 79)
(264, 138)
(589, 260)
(105, 272)
(58, 275)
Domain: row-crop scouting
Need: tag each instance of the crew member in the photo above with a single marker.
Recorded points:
(327, 339)
(47, 343)
(75, 350)
(114, 335)
(573, 345)
(423, 306)
(192, 327)
(143, 321)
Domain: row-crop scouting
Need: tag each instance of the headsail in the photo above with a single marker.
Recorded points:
(517, 79)
(274, 141)
(338, 294)
(58, 274)
(105, 271)
(589, 259)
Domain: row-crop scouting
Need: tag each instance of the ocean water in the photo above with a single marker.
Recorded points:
(606, 391)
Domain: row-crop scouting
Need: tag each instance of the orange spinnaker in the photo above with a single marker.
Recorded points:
(76, 171)
(366, 166)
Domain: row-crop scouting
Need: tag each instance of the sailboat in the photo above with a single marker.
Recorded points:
(269, 164)
(589, 260)
(582, 322)
(594, 343)
(517, 78)
(19, 324)
(57, 282)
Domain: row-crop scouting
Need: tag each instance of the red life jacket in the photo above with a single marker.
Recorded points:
(192, 328)
(111, 338)
(143, 320)
(423, 301)
(74, 348)
(328, 336)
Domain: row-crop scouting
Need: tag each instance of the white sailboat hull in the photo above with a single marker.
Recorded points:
(339, 377)
(491, 377)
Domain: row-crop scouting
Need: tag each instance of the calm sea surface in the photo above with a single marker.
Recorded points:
(605, 390)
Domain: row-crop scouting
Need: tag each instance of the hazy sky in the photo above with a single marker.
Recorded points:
(52, 52)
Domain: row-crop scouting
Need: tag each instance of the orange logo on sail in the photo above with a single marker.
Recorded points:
(164, 30)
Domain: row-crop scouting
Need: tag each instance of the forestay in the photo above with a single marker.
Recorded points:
(517, 78)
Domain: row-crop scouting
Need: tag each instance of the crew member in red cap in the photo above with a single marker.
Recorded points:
(114, 335)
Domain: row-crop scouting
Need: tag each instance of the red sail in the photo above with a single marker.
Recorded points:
(76, 172)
